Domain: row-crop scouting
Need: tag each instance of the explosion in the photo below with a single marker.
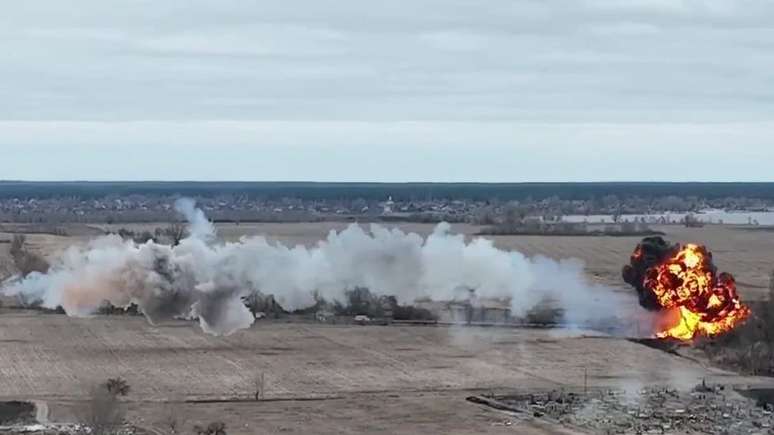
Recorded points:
(682, 279)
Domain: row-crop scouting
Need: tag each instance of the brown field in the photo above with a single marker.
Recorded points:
(336, 379)
(349, 379)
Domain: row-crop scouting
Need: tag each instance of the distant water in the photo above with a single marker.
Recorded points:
(706, 216)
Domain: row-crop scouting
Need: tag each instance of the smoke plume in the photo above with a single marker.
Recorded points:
(200, 227)
(207, 279)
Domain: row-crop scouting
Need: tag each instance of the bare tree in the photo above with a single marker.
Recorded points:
(102, 413)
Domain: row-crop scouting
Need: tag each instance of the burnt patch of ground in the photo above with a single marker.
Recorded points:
(665, 345)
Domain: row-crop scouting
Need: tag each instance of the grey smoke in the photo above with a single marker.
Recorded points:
(207, 279)
(200, 227)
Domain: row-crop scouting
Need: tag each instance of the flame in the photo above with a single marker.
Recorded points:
(707, 303)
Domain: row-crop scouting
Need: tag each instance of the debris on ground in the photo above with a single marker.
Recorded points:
(707, 409)
(64, 429)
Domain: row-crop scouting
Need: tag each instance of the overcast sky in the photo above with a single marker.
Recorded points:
(355, 90)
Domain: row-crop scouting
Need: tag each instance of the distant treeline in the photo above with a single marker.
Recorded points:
(377, 191)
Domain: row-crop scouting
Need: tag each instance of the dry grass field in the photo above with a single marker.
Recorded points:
(350, 379)
(50, 356)
(337, 379)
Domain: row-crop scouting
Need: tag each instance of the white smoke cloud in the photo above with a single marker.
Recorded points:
(201, 228)
(208, 279)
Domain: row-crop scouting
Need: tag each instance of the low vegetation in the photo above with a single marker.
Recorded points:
(214, 428)
(171, 234)
(117, 386)
(358, 302)
(361, 302)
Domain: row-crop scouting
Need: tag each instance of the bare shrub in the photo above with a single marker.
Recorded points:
(108, 309)
(137, 237)
(214, 428)
(117, 386)
(266, 304)
(102, 413)
(175, 233)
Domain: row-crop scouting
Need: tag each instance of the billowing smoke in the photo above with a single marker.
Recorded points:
(683, 280)
(200, 227)
(648, 254)
(207, 279)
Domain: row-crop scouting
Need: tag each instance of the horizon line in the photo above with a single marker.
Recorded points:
(378, 182)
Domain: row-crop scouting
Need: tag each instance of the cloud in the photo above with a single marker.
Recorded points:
(166, 72)
(346, 60)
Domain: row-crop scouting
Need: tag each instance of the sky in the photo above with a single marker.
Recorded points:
(353, 90)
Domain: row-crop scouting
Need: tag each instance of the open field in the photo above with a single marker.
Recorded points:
(364, 379)
(350, 379)
(50, 355)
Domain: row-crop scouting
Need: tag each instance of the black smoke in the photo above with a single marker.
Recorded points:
(650, 252)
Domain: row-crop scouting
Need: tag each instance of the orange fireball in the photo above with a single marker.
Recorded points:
(685, 281)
